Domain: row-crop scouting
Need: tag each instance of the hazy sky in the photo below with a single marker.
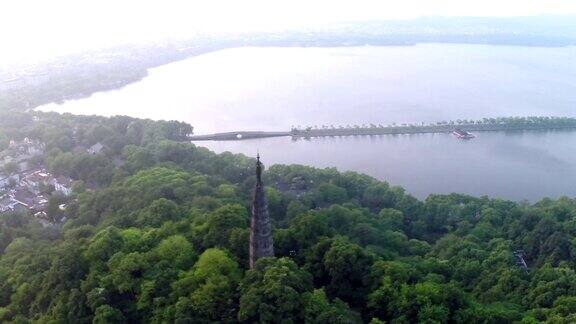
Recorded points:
(32, 29)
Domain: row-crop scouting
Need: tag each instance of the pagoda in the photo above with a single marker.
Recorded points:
(261, 239)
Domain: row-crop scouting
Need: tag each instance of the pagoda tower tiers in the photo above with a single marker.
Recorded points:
(261, 239)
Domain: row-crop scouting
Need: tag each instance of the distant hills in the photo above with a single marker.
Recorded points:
(525, 31)
(81, 74)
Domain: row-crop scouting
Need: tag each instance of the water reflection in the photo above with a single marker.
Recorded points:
(512, 165)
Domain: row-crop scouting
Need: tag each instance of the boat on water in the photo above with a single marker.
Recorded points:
(462, 134)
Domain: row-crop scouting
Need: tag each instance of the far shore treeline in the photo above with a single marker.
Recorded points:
(531, 123)
(481, 125)
(156, 231)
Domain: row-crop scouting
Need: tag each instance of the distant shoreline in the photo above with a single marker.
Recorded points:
(80, 75)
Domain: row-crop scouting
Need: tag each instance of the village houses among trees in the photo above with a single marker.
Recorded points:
(26, 185)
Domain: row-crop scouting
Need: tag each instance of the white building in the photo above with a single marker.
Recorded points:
(96, 148)
(63, 185)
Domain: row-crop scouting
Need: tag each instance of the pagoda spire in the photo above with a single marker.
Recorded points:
(258, 170)
(261, 239)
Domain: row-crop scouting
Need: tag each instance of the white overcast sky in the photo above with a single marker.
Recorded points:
(35, 29)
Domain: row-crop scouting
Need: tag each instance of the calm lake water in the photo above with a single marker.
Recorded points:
(274, 88)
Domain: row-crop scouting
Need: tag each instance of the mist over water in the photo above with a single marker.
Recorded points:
(274, 88)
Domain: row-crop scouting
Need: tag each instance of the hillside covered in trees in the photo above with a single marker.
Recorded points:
(156, 231)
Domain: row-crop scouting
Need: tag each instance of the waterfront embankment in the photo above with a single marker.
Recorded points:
(486, 125)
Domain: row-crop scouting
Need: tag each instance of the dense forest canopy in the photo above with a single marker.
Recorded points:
(156, 231)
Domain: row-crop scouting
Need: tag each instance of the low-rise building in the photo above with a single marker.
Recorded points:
(40, 203)
(35, 181)
(63, 184)
(27, 146)
(10, 204)
(7, 181)
(24, 195)
(33, 201)
(96, 148)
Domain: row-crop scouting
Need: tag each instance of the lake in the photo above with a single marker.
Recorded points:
(275, 88)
